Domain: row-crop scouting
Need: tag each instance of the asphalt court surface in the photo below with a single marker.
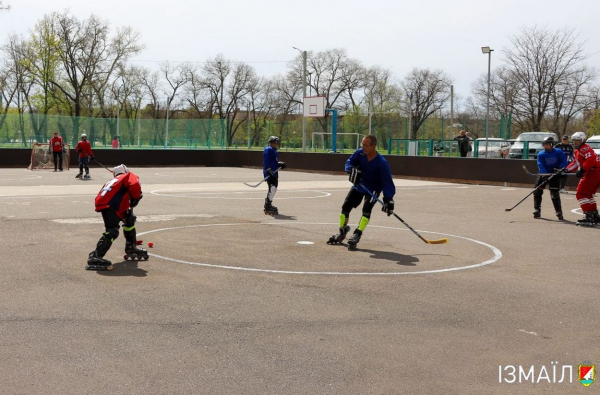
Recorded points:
(233, 301)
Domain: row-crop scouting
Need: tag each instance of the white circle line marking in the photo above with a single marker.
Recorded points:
(496, 251)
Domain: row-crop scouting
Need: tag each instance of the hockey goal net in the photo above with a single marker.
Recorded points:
(42, 158)
(322, 140)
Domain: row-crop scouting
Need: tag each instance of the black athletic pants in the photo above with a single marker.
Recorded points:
(58, 158)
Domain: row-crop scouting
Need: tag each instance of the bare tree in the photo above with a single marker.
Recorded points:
(264, 101)
(570, 97)
(9, 88)
(22, 80)
(89, 57)
(4, 7)
(41, 62)
(430, 91)
(333, 75)
(541, 61)
(228, 83)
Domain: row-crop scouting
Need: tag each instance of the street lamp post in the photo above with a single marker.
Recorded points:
(410, 98)
(304, 55)
(487, 50)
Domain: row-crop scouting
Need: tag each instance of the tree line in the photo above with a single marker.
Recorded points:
(83, 68)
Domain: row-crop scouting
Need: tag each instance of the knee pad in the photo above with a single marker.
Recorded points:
(367, 208)
(106, 241)
(344, 219)
(554, 194)
(112, 233)
(129, 221)
(347, 207)
(272, 191)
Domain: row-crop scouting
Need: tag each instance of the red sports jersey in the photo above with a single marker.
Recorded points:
(86, 149)
(56, 144)
(117, 192)
(586, 158)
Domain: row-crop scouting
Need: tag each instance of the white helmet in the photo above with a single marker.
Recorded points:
(83, 135)
(580, 136)
(121, 169)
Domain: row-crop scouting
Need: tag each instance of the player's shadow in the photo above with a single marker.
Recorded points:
(564, 221)
(400, 259)
(285, 217)
(125, 268)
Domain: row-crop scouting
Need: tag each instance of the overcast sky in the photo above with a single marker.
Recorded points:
(399, 35)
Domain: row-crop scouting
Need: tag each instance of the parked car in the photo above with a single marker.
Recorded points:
(534, 140)
(594, 142)
(496, 148)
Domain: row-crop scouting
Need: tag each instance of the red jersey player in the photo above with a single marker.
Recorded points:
(115, 202)
(589, 173)
(57, 147)
(85, 154)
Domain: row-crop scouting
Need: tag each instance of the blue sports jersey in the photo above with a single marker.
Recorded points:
(376, 173)
(270, 159)
(548, 161)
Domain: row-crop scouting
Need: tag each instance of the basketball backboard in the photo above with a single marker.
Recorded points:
(314, 106)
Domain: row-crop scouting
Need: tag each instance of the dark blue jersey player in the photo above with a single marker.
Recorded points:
(271, 165)
(549, 161)
(367, 167)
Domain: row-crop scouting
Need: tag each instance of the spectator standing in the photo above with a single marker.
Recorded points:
(463, 143)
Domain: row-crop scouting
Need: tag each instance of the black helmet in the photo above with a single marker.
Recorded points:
(548, 140)
(273, 139)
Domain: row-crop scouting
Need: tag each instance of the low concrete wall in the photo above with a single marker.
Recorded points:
(467, 170)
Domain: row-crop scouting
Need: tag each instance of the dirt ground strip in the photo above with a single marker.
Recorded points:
(232, 301)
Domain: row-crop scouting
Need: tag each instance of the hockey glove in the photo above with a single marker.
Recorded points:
(134, 202)
(271, 173)
(78, 149)
(388, 206)
(281, 165)
(580, 173)
(355, 176)
(92, 157)
(560, 172)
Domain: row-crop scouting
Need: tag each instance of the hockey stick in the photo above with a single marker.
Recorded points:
(542, 185)
(265, 179)
(544, 174)
(111, 172)
(438, 241)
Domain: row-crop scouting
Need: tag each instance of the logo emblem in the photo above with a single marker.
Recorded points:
(587, 373)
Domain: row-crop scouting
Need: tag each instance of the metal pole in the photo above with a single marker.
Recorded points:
(410, 115)
(249, 146)
(487, 115)
(139, 126)
(304, 55)
(452, 109)
(117, 117)
(370, 114)
(167, 127)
